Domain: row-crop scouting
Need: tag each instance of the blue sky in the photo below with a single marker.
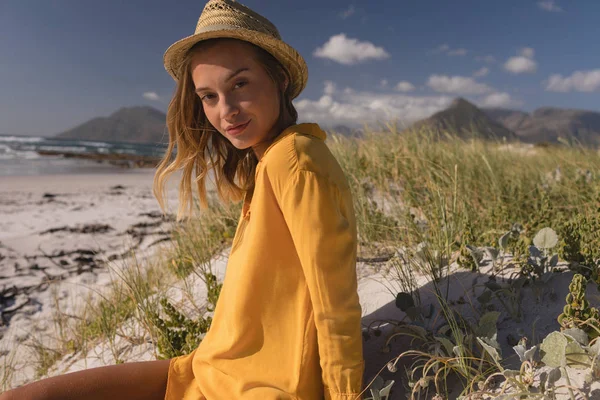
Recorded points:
(66, 61)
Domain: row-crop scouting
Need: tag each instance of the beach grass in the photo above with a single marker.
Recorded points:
(435, 188)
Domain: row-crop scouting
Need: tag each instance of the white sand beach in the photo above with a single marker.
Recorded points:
(59, 233)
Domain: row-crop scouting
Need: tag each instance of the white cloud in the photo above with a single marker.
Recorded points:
(527, 52)
(549, 5)
(579, 81)
(355, 108)
(444, 48)
(347, 12)
(383, 83)
(522, 63)
(481, 72)
(349, 51)
(457, 85)
(490, 59)
(329, 88)
(519, 65)
(151, 96)
(457, 52)
(498, 99)
(404, 86)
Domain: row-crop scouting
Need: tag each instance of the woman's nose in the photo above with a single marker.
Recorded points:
(229, 108)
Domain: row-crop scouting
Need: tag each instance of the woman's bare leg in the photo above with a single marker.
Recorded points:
(145, 380)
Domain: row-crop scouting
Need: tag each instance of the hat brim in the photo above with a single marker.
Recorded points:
(284, 53)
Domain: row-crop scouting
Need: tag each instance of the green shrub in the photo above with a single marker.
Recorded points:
(178, 334)
(577, 313)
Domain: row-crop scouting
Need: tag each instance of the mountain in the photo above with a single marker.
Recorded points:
(343, 130)
(547, 124)
(511, 119)
(465, 120)
(139, 124)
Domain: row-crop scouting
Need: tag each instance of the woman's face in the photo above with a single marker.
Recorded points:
(235, 90)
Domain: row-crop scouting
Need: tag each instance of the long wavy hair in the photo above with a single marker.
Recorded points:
(200, 147)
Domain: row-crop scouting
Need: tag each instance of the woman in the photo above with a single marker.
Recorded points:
(287, 322)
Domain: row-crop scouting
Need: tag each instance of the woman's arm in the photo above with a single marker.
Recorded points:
(320, 216)
(145, 380)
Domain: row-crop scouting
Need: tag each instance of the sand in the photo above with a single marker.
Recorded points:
(59, 237)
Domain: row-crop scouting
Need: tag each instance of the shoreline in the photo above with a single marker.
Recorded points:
(118, 159)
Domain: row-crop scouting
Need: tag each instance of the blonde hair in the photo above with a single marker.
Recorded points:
(200, 147)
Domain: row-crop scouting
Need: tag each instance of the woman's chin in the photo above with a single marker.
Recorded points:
(239, 143)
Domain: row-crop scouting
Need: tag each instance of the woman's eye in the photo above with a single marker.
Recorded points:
(208, 97)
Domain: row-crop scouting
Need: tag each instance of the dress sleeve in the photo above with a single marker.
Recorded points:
(321, 220)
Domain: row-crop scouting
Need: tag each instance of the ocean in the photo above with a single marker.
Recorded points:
(19, 155)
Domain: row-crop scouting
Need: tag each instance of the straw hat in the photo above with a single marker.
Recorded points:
(230, 19)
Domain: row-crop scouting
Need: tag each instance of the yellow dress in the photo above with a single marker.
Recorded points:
(287, 322)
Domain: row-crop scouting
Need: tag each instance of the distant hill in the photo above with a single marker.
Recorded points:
(140, 124)
(465, 120)
(343, 130)
(511, 119)
(547, 124)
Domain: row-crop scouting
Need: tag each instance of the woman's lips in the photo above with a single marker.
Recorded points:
(238, 129)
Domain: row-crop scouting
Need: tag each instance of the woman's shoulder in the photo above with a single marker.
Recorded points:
(303, 149)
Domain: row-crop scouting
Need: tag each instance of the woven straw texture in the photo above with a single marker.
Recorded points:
(230, 19)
